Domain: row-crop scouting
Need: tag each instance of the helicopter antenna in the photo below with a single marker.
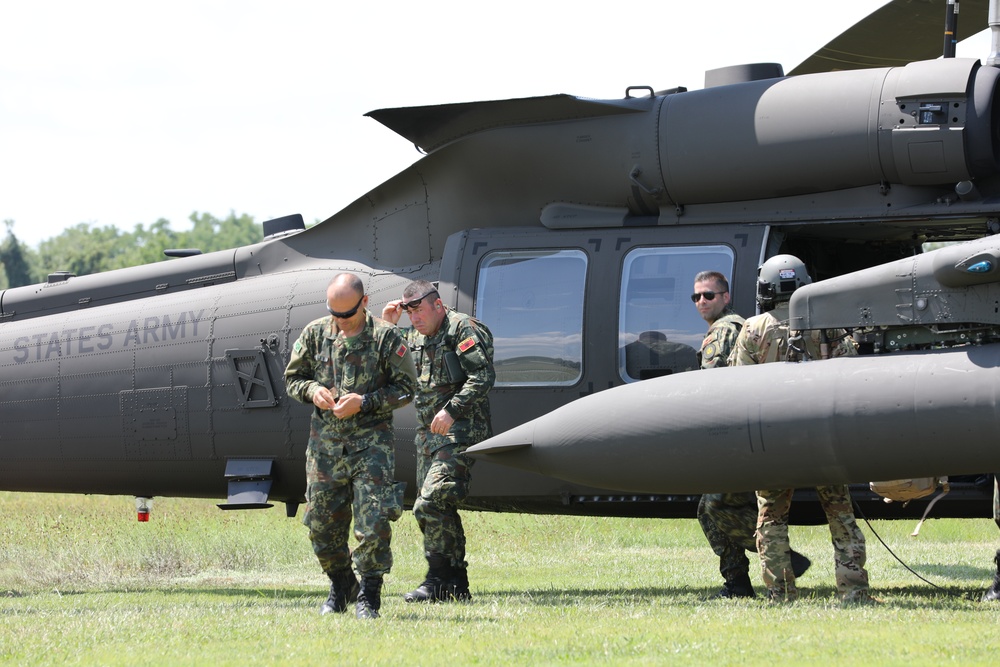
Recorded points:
(951, 28)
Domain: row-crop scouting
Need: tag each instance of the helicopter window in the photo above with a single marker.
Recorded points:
(659, 332)
(532, 301)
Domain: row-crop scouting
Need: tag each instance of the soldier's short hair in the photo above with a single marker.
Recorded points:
(418, 288)
(706, 276)
(350, 280)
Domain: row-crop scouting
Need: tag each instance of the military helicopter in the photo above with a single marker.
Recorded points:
(573, 227)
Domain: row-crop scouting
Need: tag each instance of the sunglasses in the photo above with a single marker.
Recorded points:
(709, 296)
(413, 305)
(347, 313)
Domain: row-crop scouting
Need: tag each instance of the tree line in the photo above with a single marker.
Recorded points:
(85, 248)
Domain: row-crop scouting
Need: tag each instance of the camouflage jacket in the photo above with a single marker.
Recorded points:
(454, 372)
(765, 339)
(376, 362)
(720, 339)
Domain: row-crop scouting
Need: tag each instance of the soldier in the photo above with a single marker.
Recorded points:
(454, 355)
(711, 298)
(727, 519)
(355, 369)
(993, 592)
(765, 338)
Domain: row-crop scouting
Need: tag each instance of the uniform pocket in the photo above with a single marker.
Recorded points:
(393, 502)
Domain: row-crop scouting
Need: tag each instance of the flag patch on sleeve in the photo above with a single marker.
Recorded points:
(401, 350)
(467, 344)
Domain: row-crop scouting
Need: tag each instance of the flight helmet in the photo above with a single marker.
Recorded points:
(777, 278)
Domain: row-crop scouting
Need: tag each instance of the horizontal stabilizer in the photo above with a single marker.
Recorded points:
(431, 127)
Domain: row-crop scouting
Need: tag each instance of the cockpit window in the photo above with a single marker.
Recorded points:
(659, 329)
(532, 301)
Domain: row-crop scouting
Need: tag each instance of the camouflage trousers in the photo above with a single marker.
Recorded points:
(996, 498)
(772, 542)
(729, 521)
(362, 482)
(444, 478)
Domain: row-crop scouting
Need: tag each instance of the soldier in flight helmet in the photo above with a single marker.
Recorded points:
(764, 339)
(777, 278)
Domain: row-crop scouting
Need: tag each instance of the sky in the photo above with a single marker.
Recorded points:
(121, 113)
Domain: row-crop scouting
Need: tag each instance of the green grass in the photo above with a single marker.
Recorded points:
(81, 582)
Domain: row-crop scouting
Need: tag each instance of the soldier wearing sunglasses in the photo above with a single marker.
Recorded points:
(711, 298)
(729, 520)
(355, 370)
(454, 358)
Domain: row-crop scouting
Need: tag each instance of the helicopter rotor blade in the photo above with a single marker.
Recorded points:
(900, 32)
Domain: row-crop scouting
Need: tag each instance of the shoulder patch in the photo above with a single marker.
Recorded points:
(401, 350)
(297, 347)
(467, 344)
(710, 350)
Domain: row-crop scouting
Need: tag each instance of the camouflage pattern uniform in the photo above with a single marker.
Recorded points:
(350, 463)
(996, 498)
(764, 339)
(443, 470)
(727, 519)
(720, 339)
(993, 593)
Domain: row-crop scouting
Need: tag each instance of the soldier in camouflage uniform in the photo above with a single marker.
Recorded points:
(728, 519)
(993, 592)
(764, 339)
(711, 298)
(454, 355)
(355, 369)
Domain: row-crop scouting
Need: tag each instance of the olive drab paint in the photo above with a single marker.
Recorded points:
(573, 227)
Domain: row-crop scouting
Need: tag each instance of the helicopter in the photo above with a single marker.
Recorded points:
(573, 227)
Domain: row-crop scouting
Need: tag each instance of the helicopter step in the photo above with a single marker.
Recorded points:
(249, 484)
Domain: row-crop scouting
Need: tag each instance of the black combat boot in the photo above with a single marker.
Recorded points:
(458, 585)
(799, 563)
(433, 588)
(343, 590)
(370, 597)
(737, 586)
(993, 593)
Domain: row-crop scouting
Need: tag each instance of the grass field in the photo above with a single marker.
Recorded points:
(83, 583)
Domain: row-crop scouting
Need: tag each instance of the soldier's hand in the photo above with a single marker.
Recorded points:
(442, 422)
(347, 405)
(324, 399)
(392, 311)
